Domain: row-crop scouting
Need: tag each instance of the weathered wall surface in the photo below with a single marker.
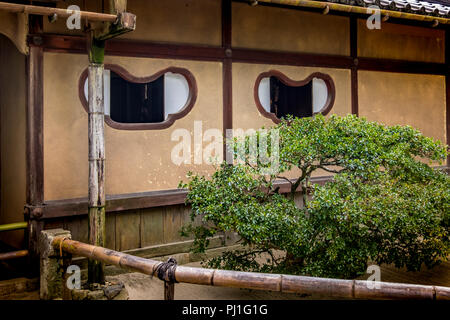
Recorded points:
(281, 29)
(405, 99)
(12, 133)
(136, 161)
(181, 21)
(394, 41)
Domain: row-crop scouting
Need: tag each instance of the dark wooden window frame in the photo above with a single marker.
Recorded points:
(295, 83)
(192, 98)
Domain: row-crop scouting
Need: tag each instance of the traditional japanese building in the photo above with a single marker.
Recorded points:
(223, 64)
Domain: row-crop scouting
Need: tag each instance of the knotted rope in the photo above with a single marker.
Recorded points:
(166, 268)
(61, 250)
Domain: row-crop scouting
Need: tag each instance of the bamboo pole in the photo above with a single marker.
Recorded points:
(358, 9)
(63, 13)
(13, 226)
(337, 288)
(13, 255)
(96, 196)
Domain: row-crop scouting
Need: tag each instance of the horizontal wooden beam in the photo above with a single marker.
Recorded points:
(132, 48)
(142, 200)
(132, 201)
(129, 48)
(114, 203)
(401, 66)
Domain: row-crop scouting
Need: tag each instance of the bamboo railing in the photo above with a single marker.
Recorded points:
(13, 226)
(336, 288)
(358, 10)
(13, 254)
(63, 13)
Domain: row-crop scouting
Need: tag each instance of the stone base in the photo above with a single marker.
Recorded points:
(109, 291)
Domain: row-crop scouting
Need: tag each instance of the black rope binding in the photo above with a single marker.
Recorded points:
(168, 268)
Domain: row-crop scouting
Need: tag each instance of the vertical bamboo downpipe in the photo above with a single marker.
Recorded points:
(97, 232)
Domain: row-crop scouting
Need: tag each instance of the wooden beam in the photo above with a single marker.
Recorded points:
(227, 73)
(34, 153)
(132, 48)
(447, 87)
(354, 68)
(129, 48)
(117, 203)
(402, 66)
(35, 143)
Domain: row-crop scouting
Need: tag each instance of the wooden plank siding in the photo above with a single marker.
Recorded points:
(132, 229)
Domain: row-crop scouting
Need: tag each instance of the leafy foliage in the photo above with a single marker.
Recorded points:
(384, 203)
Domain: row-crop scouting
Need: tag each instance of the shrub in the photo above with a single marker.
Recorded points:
(384, 203)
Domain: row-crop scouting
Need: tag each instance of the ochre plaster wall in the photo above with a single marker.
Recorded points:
(282, 29)
(179, 21)
(405, 99)
(394, 41)
(136, 161)
(12, 133)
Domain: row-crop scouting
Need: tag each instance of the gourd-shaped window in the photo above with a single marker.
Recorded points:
(277, 96)
(153, 102)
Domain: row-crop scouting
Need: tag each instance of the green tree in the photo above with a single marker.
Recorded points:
(385, 204)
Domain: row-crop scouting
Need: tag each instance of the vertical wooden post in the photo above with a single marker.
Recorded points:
(169, 290)
(447, 87)
(96, 198)
(97, 233)
(34, 144)
(354, 70)
(227, 71)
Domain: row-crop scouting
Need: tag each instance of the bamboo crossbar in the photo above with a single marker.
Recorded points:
(13, 226)
(63, 13)
(356, 9)
(337, 288)
(13, 255)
